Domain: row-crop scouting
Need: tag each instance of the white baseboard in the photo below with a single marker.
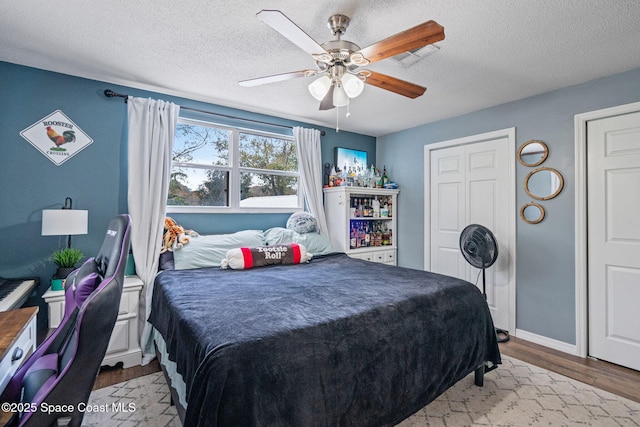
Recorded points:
(547, 342)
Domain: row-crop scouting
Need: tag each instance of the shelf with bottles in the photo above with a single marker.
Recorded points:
(362, 221)
(370, 206)
(367, 234)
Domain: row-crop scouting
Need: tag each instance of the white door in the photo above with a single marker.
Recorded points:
(613, 193)
(469, 184)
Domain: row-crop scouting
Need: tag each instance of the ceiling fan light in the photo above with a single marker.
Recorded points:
(319, 87)
(340, 97)
(352, 85)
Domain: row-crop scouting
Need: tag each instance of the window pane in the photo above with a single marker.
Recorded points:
(263, 152)
(268, 191)
(198, 187)
(201, 144)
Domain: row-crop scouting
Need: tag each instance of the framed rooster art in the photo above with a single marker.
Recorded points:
(57, 137)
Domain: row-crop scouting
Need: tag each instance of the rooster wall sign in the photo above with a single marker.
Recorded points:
(57, 137)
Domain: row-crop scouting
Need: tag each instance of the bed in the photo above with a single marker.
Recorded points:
(336, 341)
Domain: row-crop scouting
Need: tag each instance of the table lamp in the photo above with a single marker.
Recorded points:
(65, 221)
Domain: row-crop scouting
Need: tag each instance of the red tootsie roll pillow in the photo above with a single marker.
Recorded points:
(260, 256)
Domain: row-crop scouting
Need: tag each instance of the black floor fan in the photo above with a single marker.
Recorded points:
(480, 248)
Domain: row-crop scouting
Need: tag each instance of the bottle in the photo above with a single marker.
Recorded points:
(367, 236)
(384, 209)
(353, 238)
(385, 178)
(378, 236)
(375, 207)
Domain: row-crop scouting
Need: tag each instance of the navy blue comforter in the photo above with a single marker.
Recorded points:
(336, 342)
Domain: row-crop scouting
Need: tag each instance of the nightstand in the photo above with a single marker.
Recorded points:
(124, 345)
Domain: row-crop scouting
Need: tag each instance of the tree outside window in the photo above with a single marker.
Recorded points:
(220, 167)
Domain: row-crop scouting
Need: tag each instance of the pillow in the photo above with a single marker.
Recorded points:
(210, 250)
(166, 261)
(315, 243)
(302, 222)
(85, 286)
(245, 258)
(89, 266)
(84, 281)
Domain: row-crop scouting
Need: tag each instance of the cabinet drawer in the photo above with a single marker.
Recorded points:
(389, 257)
(119, 337)
(124, 303)
(23, 347)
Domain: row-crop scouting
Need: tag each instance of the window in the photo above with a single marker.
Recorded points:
(217, 168)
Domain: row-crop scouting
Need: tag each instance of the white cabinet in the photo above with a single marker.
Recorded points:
(358, 229)
(17, 342)
(124, 345)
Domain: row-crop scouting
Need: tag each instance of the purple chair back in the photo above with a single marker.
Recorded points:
(64, 367)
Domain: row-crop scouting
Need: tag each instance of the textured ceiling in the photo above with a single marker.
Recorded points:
(495, 51)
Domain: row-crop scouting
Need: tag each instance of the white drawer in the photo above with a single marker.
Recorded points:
(389, 257)
(119, 337)
(124, 303)
(24, 346)
(379, 257)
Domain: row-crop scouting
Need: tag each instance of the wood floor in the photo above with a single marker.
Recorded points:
(607, 376)
(616, 379)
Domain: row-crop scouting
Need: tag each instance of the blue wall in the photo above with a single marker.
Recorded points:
(96, 177)
(545, 296)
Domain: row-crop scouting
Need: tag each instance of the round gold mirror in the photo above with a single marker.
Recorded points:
(532, 213)
(543, 183)
(533, 153)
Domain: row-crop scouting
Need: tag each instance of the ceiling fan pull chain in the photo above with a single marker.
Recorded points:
(337, 119)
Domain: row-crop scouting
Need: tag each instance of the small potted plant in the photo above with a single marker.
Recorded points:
(66, 260)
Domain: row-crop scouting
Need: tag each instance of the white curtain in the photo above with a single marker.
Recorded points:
(152, 126)
(310, 163)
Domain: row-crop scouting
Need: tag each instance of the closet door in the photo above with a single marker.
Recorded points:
(470, 185)
(613, 186)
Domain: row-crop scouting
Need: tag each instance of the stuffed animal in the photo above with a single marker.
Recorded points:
(175, 236)
(302, 222)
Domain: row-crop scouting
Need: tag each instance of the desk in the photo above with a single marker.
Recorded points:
(17, 342)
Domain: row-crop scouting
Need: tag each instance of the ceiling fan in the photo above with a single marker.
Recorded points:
(339, 61)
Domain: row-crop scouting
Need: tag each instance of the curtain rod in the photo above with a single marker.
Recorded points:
(110, 94)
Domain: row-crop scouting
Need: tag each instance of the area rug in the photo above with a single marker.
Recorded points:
(515, 394)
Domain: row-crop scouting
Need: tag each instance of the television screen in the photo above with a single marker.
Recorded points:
(349, 158)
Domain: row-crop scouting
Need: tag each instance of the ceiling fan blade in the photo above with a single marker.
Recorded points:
(421, 35)
(327, 101)
(279, 22)
(277, 78)
(401, 87)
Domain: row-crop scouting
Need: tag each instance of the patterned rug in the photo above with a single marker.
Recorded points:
(515, 394)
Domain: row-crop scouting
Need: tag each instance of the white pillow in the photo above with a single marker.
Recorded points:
(315, 243)
(210, 250)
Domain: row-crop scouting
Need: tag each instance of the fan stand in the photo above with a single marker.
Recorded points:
(501, 334)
